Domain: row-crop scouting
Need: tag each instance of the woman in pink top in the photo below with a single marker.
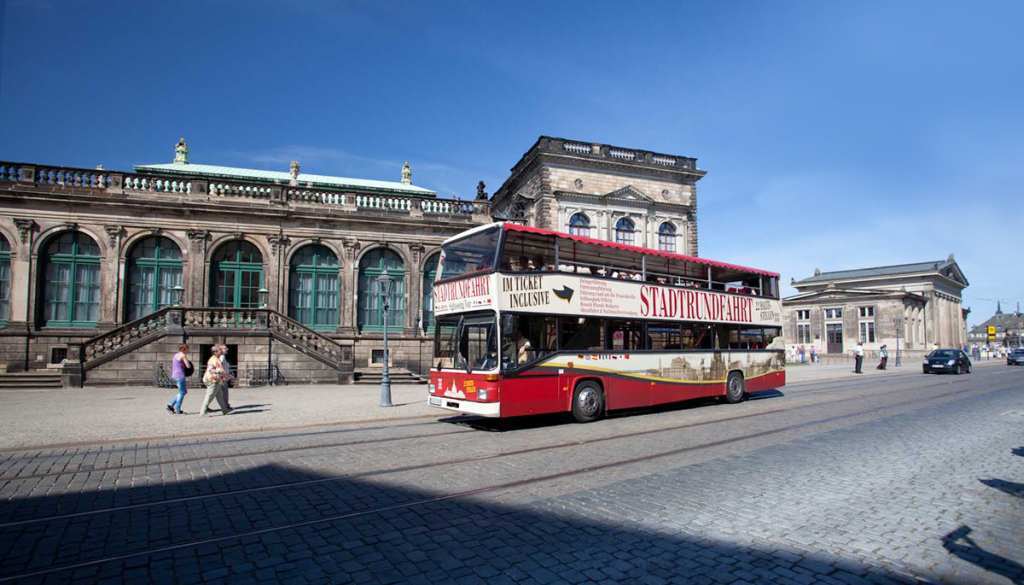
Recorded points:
(181, 368)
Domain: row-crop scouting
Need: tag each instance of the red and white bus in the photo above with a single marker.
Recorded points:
(530, 321)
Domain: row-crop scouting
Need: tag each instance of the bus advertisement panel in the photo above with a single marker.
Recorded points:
(568, 294)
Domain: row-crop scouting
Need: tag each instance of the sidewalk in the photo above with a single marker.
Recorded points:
(117, 413)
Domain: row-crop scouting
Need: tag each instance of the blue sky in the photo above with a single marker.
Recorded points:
(835, 135)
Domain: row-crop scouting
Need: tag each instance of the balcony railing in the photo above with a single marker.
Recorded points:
(27, 177)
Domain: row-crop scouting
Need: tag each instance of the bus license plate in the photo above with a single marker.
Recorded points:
(435, 401)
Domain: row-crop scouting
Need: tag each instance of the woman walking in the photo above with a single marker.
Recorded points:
(214, 378)
(181, 369)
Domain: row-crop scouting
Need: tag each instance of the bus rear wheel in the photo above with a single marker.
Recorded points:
(587, 402)
(735, 389)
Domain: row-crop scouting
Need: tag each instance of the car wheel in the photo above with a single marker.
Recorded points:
(925, 370)
(956, 369)
(587, 402)
(735, 389)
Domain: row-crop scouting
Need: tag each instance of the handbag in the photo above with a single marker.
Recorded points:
(189, 369)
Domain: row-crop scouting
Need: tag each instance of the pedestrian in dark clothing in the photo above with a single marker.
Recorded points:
(883, 355)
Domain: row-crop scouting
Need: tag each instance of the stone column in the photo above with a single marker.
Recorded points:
(414, 308)
(23, 278)
(195, 280)
(349, 286)
(277, 272)
(111, 278)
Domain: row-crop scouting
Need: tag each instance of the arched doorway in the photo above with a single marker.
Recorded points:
(429, 273)
(313, 287)
(70, 290)
(236, 276)
(154, 272)
(374, 264)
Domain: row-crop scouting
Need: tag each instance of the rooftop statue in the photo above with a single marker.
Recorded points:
(406, 173)
(481, 191)
(181, 152)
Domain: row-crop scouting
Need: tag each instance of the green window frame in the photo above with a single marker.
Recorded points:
(237, 276)
(313, 287)
(154, 271)
(71, 285)
(429, 274)
(374, 264)
(5, 281)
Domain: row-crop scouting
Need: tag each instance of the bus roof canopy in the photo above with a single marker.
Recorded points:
(724, 266)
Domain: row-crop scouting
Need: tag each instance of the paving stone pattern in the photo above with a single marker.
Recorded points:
(931, 490)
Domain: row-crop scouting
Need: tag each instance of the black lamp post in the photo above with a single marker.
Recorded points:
(384, 285)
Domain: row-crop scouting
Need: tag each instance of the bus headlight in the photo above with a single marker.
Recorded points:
(481, 394)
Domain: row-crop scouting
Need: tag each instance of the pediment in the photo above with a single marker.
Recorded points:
(838, 294)
(627, 193)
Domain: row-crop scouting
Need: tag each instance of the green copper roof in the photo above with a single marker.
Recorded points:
(283, 178)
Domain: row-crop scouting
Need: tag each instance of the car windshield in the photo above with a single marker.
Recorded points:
(944, 353)
(1018, 352)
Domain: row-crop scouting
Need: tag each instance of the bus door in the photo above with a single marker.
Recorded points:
(528, 384)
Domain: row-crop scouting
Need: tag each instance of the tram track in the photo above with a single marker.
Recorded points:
(493, 488)
(331, 445)
(448, 462)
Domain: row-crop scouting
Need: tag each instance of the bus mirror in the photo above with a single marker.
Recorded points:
(438, 365)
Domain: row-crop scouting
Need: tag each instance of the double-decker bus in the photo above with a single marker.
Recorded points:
(531, 321)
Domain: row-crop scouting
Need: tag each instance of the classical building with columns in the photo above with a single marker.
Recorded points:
(103, 272)
(608, 192)
(917, 304)
(115, 268)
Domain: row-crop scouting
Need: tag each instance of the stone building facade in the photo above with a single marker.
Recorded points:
(606, 192)
(88, 253)
(919, 304)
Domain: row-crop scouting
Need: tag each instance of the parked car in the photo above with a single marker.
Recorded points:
(1015, 357)
(947, 360)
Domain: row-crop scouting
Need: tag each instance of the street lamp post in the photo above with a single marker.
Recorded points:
(179, 294)
(264, 297)
(384, 284)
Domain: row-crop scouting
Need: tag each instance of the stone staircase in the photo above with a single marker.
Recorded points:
(398, 376)
(30, 380)
(207, 321)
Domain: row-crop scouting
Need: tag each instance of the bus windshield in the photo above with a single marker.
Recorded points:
(474, 253)
(467, 342)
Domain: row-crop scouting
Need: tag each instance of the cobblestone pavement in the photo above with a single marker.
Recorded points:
(919, 479)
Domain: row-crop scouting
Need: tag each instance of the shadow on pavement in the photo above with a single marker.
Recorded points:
(959, 543)
(1007, 487)
(353, 530)
(523, 423)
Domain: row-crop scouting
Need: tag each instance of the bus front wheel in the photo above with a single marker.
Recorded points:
(587, 402)
(735, 389)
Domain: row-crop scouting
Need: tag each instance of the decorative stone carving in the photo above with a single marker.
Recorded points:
(578, 183)
(114, 232)
(481, 191)
(197, 235)
(181, 152)
(278, 243)
(406, 173)
(25, 228)
(293, 170)
(417, 250)
(351, 246)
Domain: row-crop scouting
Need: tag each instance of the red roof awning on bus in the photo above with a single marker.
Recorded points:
(514, 227)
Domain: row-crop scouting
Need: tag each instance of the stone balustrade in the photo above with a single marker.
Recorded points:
(26, 177)
(605, 151)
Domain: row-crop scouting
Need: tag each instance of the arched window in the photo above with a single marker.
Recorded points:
(237, 276)
(667, 237)
(374, 264)
(429, 273)
(71, 281)
(5, 280)
(313, 287)
(624, 231)
(579, 225)
(154, 271)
